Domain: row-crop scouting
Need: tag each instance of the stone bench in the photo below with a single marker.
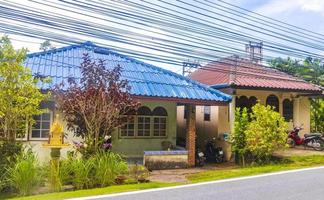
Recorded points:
(172, 159)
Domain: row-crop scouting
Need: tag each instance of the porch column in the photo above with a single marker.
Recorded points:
(232, 113)
(191, 134)
(296, 111)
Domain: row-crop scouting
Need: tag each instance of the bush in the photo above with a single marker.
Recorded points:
(238, 138)
(139, 173)
(9, 152)
(24, 175)
(81, 172)
(101, 169)
(107, 167)
(266, 132)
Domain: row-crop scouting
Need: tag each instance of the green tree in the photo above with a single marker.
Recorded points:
(19, 95)
(266, 132)
(288, 65)
(239, 138)
(46, 45)
(311, 70)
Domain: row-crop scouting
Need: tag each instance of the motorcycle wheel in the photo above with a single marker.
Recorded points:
(291, 143)
(321, 146)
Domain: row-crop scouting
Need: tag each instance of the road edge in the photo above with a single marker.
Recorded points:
(197, 184)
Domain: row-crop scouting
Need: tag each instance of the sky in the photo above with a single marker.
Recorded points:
(307, 14)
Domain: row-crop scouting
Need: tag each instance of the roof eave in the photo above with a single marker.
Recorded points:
(182, 100)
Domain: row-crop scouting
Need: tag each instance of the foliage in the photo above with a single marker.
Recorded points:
(139, 173)
(317, 115)
(25, 176)
(94, 105)
(288, 65)
(46, 45)
(311, 70)
(19, 95)
(108, 166)
(266, 132)
(81, 172)
(100, 169)
(9, 152)
(239, 138)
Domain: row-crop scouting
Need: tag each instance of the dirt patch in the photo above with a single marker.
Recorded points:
(179, 175)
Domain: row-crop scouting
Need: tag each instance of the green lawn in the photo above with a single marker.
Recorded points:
(288, 164)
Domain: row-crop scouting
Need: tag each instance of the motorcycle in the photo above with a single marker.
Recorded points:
(213, 153)
(200, 158)
(315, 141)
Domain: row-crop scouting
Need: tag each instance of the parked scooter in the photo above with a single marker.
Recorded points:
(213, 153)
(200, 158)
(314, 141)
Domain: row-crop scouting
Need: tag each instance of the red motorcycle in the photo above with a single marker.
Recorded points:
(314, 141)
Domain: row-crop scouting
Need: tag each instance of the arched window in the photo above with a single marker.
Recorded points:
(159, 122)
(242, 102)
(144, 111)
(273, 101)
(288, 109)
(252, 101)
(144, 121)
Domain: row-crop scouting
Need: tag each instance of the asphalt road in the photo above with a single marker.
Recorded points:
(298, 185)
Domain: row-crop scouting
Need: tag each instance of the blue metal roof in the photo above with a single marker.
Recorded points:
(144, 79)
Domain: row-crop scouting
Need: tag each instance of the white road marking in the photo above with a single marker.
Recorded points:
(197, 184)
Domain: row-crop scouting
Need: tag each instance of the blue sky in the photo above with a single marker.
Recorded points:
(308, 14)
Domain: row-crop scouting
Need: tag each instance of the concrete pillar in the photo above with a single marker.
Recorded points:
(296, 111)
(191, 134)
(232, 113)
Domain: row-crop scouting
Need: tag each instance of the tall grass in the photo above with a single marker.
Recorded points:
(107, 167)
(81, 172)
(24, 175)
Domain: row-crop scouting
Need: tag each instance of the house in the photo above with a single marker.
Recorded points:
(248, 82)
(159, 91)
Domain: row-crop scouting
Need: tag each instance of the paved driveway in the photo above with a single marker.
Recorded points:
(294, 185)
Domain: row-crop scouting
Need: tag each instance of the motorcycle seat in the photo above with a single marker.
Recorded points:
(312, 134)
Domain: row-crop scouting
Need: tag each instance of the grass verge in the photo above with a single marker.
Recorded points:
(295, 162)
(96, 191)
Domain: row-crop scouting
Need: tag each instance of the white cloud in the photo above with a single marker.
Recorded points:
(312, 5)
(276, 7)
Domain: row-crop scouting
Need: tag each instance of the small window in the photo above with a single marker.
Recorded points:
(159, 122)
(144, 121)
(128, 127)
(206, 113)
(41, 127)
(273, 101)
(144, 126)
(185, 112)
(288, 109)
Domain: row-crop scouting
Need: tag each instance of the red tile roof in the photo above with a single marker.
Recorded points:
(238, 72)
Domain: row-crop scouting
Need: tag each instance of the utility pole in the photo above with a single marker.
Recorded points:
(188, 67)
